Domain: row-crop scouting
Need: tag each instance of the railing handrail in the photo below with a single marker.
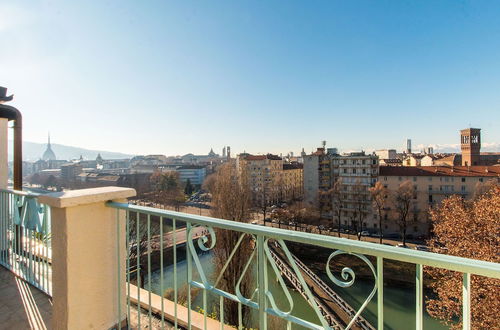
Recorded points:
(454, 263)
(20, 192)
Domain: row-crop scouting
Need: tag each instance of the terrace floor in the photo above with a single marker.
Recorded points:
(21, 305)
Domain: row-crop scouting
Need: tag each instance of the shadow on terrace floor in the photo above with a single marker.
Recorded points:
(21, 305)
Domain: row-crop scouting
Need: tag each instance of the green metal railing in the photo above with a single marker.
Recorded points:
(25, 240)
(187, 228)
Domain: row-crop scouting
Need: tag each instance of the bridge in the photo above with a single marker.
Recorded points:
(335, 309)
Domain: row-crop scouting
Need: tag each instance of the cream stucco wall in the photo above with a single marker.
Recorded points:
(88, 244)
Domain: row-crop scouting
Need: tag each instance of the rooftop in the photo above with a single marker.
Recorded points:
(475, 171)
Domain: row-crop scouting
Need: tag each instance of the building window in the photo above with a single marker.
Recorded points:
(364, 171)
(463, 179)
(400, 179)
(375, 225)
(415, 229)
(363, 162)
(414, 179)
(430, 178)
(463, 188)
(480, 179)
(430, 187)
(385, 178)
(386, 227)
(353, 171)
(345, 170)
(430, 198)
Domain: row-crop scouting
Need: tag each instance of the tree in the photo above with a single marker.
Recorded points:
(467, 229)
(262, 201)
(281, 216)
(402, 202)
(231, 200)
(209, 183)
(167, 189)
(138, 241)
(483, 187)
(359, 199)
(188, 188)
(379, 201)
(337, 202)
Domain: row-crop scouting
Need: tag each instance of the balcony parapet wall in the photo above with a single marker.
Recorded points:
(88, 247)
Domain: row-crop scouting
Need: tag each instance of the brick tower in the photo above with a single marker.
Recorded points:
(470, 141)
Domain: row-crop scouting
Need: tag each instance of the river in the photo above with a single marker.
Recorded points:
(399, 303)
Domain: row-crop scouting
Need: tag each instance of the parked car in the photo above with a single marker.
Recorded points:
(401, 245)
(422, 248)
(365, 233)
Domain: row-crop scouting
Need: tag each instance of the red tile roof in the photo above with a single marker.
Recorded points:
(262, 157)
(490, 171)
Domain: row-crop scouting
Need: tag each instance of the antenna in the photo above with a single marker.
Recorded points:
(323, 143)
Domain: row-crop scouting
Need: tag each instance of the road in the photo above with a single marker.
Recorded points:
(314, 229)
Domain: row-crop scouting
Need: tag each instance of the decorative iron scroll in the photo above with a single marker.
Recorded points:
(349, 277)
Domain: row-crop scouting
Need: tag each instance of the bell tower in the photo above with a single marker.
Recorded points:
(470, 141)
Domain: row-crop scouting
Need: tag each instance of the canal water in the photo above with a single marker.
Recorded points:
(399, 303)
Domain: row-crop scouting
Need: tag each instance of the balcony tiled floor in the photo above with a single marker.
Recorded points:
(21, 305)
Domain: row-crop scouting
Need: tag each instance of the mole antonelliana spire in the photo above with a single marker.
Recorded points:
(49, 154)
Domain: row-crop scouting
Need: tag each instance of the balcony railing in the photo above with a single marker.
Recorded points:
(25, 238)
(200, 233)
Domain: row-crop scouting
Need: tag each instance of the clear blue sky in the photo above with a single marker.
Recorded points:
(174, 77)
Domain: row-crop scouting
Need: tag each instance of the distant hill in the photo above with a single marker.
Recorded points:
(33, 151)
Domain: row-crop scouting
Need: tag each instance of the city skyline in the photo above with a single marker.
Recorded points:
(437, 148)
(183, 77)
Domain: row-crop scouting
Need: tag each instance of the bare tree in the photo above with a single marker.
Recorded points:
(337, 203)
(262, 201)
(402, 202)
(281, 216)
(379, 201)
(359, 199)
(139, 243)
(483, 187)
(231, 200)
(209, 183)
(466, 229)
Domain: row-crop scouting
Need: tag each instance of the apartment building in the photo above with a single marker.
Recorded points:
(263, 175)
(432, 184)
(292, 181)
(355, 172)
(311, 176)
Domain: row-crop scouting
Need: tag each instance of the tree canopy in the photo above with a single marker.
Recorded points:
(467, 229)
